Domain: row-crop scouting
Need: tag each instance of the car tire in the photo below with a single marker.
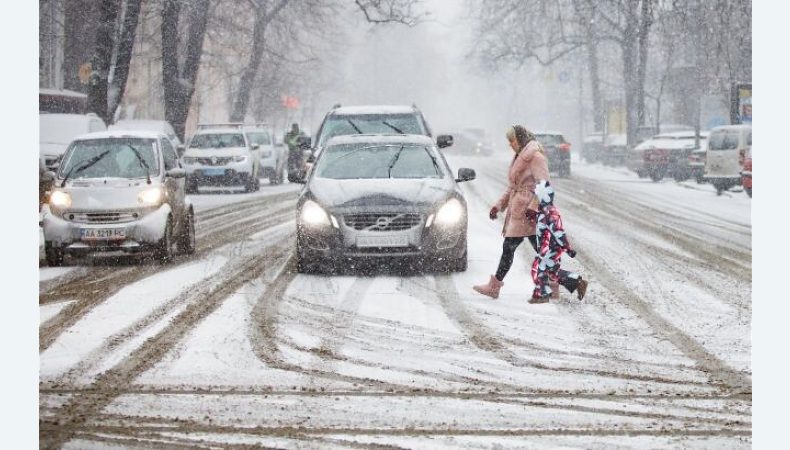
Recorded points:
(657, 174)
(459, 264)
(54, 255)
(164, 249)
(680, 176)
(748, 192)
(186, 242)
(249, 184)
(191, 187)
(257, 186)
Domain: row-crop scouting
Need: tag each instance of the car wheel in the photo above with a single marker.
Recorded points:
(680, 176)
(249, 184)
(54, 255)
(187, 240)
(164, 250)
(748, 192)
(257, 186)
(191, 187)
(657, 174)
(459, 264)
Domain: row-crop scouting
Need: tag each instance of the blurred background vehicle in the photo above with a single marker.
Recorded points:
(592, 147)
(56, 131)
(271, 155)
(220, 155)
(746, 173)
(614, 150)
(667, 154)
(726, 154)
(159, 126)
(558, 151)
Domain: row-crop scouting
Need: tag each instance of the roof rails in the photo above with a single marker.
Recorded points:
(239, 125)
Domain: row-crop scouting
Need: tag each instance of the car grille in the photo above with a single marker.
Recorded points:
(382, 221)
(102, 217)
(215, 161)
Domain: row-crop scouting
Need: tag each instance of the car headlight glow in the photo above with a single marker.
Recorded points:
(239, 158)
(314, 214)
(450, 213)
(148, 197)
(60, 199)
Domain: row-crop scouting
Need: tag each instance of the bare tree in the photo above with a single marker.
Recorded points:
(111, 55)
(179, 72)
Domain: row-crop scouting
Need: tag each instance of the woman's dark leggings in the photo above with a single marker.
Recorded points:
(509, 249)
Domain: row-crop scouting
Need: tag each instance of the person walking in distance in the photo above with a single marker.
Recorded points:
(552, 243)
(529, 165)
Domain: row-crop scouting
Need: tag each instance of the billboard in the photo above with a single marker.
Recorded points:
(741, 104)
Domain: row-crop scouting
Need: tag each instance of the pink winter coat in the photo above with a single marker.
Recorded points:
(526, 169)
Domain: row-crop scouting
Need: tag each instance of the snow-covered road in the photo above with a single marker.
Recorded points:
(231, 347)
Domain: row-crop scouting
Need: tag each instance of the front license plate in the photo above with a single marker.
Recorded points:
(102, 234)
(213, 172)
(383, 241)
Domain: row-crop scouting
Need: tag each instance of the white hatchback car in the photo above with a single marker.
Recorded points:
(118, 192)
(727, 148)
(221, 155)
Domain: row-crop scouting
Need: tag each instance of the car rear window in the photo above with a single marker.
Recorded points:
(550, 140)
(723, 140)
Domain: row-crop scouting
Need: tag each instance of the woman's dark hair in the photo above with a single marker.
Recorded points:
(523, 136)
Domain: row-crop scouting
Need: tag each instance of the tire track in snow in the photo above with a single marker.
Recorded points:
(57, 430)
(105, 288)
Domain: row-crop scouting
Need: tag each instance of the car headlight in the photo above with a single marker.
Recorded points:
(313, 214)
(450, 213)
(152, 196)
(239, 159)
(60, 199)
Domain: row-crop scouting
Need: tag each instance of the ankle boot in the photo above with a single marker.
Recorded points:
(581, 289)
(491, 289)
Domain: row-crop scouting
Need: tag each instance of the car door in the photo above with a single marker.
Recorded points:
(174, 186)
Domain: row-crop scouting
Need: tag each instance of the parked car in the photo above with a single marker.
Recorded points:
(646, 132)
(271, 154)
(727, 149)
(614, 149)
(746, 173)
(56, 131)
(221, 155)
(382, 196)
(118, 191)
(666, 155)
(158, 126)
(592, 147)
(558, 151)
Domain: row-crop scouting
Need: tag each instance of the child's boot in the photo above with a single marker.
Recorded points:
(490, 289)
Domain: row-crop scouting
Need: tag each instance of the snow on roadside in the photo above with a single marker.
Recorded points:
(50, 310)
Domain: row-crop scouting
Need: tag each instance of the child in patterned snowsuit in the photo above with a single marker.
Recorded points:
(552, 243)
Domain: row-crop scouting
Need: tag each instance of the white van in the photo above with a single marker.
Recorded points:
(727, 147)
(56, 131)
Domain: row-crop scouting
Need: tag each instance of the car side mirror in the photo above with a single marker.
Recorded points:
(304, 141)
(256, 146)
(176, 173)
(180, 149)
(444, 140)
(310, 159)
(465, 174)
(49, 175)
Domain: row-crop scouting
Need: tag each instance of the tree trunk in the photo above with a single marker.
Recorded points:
(124, 56)
(80, 37)
(630, 84)
(599, 115)
(645, 22)
(179, 82)
(262, 20)
(102, 58)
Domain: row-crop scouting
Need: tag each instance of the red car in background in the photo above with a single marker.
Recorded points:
(746, 173)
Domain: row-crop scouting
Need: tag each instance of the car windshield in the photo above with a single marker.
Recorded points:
(357, 161)
(217, 140)
(259, 137)
(340, 125)
(549, 140)
(119, 162)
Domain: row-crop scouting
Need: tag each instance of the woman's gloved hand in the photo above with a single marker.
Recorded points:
(493, 213)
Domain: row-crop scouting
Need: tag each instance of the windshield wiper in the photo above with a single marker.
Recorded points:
(355, 126)
(82, 166)
(394, 160)
(143, 164)
(433, 160)
(397, 130)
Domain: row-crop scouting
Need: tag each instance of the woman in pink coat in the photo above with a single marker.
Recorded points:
(529, 165)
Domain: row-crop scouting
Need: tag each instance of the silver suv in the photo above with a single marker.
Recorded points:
(118, 192)
(221, 155)
(271, 154)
